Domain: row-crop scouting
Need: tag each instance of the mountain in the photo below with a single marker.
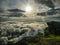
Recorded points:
(15, 10)
(54, 27)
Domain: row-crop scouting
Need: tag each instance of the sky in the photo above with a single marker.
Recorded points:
(10, 3)
(21, 4)
(17, 3)
(38, 5)
(26, 21)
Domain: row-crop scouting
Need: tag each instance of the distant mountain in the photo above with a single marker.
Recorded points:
(50, 12)
(15, 10)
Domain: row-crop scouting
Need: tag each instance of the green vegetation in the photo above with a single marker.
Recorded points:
(52, 40)
(52, 34)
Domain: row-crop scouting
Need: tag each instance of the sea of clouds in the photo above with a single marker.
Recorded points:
(14, 32)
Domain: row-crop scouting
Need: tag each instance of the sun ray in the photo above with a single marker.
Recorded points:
(28, 8)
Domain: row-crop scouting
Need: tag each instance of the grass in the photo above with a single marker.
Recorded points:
(55, 40)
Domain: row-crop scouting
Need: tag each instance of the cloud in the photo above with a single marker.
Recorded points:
(50, 12)
(10, 3)
(48, 3)
(16, 32)
(3, 40)
(53, 18)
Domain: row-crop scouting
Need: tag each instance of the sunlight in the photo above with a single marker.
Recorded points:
(28, 8)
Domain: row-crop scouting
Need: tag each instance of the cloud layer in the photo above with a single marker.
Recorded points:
(17, 31)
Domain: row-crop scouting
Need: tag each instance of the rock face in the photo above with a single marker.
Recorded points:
(54, 27)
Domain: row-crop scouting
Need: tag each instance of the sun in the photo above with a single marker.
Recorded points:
(28, 8)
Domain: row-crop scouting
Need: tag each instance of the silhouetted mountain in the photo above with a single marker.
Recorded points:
(50, 12)
(15, 10)
(54, 27)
